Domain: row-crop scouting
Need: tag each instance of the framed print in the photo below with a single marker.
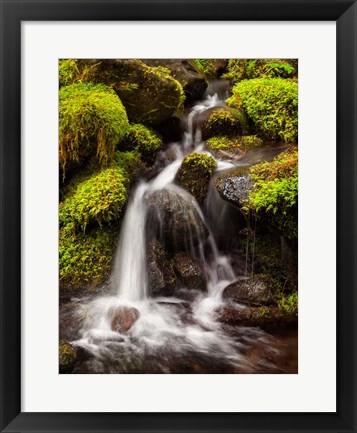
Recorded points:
(178, 213)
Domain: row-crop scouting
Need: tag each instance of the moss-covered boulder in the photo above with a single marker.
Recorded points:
(224, 122)
(222, 143)
(94, 200)
(275, 192)
(187, 73)
(195, 173)
(85, 258)
(271, 104)
(247, 69)
(92, 120)
(149, 94)
(67, 357)
(142, 139)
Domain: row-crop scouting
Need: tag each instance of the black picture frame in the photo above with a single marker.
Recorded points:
(13, 12)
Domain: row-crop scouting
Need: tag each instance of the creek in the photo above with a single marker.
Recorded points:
(180, 333)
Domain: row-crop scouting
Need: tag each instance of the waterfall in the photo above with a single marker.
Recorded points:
(130, 275)
(168, 332)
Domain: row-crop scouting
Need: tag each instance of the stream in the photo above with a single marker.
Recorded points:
(181, 333)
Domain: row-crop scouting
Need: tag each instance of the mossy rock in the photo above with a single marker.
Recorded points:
(224, 122)
(244, 142)
(67, 357)
(92, 120)
(247, 69)
(142, 139)
(185, 71)
(275, 192)
(195, 174)
(85, 258)
(149, 94)
(95, 199)
(271, 104)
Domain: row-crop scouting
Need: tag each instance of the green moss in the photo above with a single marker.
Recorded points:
(130, 162)
(275, 191)
(142, 139)
(96, 199)
(272, 104)
(68, 72)
(224, 122)
(289, 303)
(85, 259)
(247, 69)
(92, 120)
(195, 173)
(244, 142)
(216, 143)
(66, 356)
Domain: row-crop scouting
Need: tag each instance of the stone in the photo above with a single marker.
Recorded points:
(188, 272)
(124, 318)
(252, 291)
(173, 218)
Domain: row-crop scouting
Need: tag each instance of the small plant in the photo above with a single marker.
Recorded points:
(289, 303)
(92, 120)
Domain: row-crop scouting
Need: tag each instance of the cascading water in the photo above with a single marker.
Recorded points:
(169, 332)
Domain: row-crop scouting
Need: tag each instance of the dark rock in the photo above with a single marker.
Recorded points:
(186, 72)
(234, 185)
(171, 129)
(253, 291)
(67, 357)
(124, 318)
(256, 316)
(173, 218)
(150, 95)
(162, 280)
(188, 272)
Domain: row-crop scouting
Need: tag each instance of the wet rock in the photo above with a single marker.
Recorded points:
(150, 95)
(188, 272)
(173, 218)
(186, 72)
(256, 316)
(161, 277)
(234, 185)
(124, 318)
(253, 291)
(67, 357)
